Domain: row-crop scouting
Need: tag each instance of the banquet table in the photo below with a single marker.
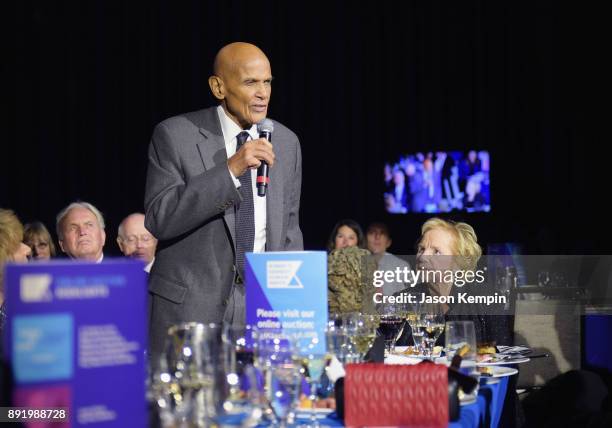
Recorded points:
(485, 412)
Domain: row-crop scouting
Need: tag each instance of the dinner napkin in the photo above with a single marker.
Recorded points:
(520, 350)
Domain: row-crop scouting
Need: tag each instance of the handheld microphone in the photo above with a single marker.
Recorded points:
(265, 129)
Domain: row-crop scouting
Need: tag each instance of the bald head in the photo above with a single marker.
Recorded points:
(234, 55)
(135, 240)
(242, 82)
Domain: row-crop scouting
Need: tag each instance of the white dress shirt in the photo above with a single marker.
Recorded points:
(230, 131)
(148, 267)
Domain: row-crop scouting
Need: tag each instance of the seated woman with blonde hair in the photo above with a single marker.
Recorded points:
(12, 249)
(37, 237)
(446, 260)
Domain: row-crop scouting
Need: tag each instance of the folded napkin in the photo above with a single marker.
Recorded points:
(520, 350)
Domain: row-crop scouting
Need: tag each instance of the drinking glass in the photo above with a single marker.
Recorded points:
(339, 344)
(361, 331)
(239, 389)
(314, 359)
(391, 327)
(189, 367)
(432, 325)
(460, 336)
(413, 319)
(277, 355)
(544, 279)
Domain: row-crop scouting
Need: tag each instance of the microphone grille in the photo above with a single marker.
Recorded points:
(265, 125)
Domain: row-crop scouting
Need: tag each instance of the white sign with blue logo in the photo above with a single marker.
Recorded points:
(288, 291)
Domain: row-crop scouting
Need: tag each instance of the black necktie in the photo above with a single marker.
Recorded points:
(245, 216)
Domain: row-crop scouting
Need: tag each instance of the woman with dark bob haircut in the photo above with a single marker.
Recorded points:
(346, 233)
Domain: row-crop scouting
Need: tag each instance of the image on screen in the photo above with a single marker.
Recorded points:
(438, 182)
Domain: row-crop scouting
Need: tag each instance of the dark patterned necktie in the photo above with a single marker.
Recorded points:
(245, 216)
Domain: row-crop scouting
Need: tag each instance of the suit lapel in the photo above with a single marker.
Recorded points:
(213, 152)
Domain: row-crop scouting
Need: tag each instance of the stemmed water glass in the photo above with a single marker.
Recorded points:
(432, 326)
(361, 331)
(338, 342)
(413, 318)
(314, 358)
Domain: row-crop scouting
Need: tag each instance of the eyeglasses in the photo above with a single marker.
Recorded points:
(133, 239)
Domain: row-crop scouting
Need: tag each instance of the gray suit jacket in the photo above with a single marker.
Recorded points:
(189, 202)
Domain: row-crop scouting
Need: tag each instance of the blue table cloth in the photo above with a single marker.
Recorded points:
(485, 412)
(487, 409)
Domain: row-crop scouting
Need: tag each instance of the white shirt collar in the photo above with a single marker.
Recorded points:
(231, 130)
(148, 267)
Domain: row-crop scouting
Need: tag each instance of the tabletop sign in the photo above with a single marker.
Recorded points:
(75, 338)
(288, 291)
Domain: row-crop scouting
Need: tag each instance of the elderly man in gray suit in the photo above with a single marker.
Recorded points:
(201, 200)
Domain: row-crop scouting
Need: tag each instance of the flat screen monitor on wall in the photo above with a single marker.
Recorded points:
(438, 182)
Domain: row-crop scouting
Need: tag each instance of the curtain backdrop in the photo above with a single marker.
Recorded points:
(360, 84)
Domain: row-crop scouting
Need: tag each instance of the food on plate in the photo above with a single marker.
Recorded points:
(410, 350)
(322, 403)
(486, 348)
(463, 350)
(485, 358)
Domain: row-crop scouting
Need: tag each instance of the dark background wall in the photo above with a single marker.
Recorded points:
(87, 81)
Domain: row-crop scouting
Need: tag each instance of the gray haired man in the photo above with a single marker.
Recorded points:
(80, 229)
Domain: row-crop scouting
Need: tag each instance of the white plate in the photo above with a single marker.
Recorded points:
(402, 359)
(319, 411)
(500, 372)
(504, 362)
(472, 400)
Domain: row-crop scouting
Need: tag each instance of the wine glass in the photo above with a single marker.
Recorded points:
(544, 279)
(361, 331)
(314, 359)
(391, 325)
(432, 325)
(339, 344)
(413, 319)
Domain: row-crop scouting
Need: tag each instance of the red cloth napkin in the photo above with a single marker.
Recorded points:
(392, 395)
